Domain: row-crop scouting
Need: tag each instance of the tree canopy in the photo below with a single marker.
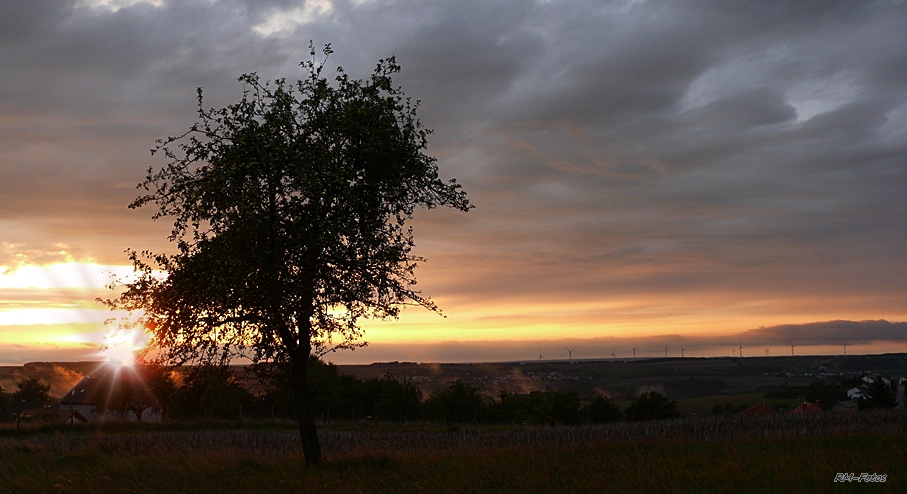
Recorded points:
(652, 406)
(32, 389)
(289, 216)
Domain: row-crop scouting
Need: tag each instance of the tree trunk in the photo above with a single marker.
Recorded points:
(311, 447)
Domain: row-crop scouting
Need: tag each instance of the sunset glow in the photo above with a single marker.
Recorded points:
(644, 174)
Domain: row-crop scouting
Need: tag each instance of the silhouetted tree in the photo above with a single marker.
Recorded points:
(389, 398)
(880, 395)
(32, 389)
(819, 391)
(603, 410)
(290, 211)
(564, 407)
(330, 391)
(140, 387)
(652, 406)
(213, 390)
(4, 399)
(458, 402)
(510, 408)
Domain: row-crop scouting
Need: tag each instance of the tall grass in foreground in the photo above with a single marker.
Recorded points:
(892, 423)
(771, 466)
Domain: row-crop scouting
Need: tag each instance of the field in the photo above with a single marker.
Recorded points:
(701, 453)
(715, 454)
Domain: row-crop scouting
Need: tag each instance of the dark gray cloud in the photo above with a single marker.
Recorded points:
(832, 332)
(614, 149)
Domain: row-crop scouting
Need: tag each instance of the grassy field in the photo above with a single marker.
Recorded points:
(805, 465)
(779, 454)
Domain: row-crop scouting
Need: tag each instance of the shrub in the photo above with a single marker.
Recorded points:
(652, 406)
(603, 410)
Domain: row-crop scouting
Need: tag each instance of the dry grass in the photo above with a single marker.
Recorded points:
(711, 429)
(780, 454)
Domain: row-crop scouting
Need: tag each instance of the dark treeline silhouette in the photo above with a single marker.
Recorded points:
(216, 392)
(880, 393)
(263, 392)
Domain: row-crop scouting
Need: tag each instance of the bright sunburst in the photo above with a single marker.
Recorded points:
(122, 346)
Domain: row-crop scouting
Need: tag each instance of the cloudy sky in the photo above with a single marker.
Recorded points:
(646, 174)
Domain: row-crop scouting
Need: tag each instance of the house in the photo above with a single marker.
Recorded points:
(71, 417)
(758, 409)
(87, 398)
(112, 395)
(807, 407)
(856, 394)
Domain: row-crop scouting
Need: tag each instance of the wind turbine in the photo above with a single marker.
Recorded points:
(681, 351)
(792, 349)
(612, 353)
(540, 354)
(666, 351)
(569, 351)
(634, 353)
(733, 352)
(845, 349)
(741, 349)
(766, 352)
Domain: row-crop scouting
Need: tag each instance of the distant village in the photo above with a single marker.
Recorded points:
(411, 391)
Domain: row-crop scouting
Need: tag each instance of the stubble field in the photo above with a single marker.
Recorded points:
(701, 455)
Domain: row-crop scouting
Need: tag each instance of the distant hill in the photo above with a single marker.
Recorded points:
(679, 378)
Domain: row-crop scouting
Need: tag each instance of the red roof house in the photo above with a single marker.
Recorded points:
(807, 407)
(758, 409)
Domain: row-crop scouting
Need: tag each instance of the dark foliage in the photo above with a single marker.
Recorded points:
(603, 410)
(652, 406)
(340, 396)
(138, 388)
(212, 391)
(32, 389)
(289, 216)
(881, 395)
(458, 402)
(388, 398)
(819, 391)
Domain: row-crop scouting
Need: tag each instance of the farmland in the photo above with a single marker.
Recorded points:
(714, 454)
(700, 453)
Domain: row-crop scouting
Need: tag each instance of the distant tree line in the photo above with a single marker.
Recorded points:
(217, 392)
(29, 390)
(878, 394)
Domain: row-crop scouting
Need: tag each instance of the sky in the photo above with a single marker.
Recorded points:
(655, 175)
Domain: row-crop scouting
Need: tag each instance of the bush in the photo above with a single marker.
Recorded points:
(32, 389)
(603, 410)
(212, 391)
(388, 398)
(459, 402)
(652, 406)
